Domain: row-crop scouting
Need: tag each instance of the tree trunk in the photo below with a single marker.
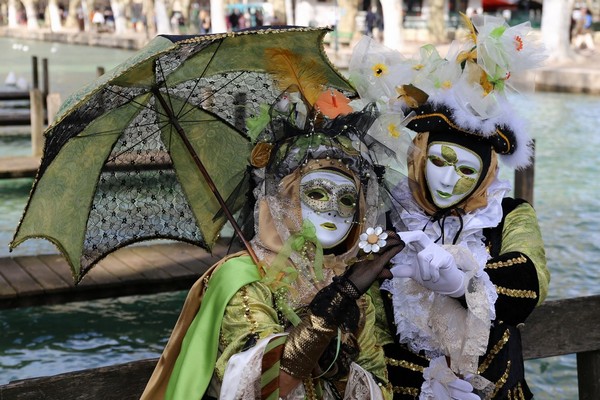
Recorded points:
(32, 22)
(118, 10)
(217, 16)
(347, 15)
(163, 23)
(13, 21)
(392, 23)
(556, 27)
(54, 15)
(436, 25)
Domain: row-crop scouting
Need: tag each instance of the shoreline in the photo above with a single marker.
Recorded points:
(580, 74)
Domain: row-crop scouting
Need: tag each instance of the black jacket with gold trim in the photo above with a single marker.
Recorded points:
(517, 268)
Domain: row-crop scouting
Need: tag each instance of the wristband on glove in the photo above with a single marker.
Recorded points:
(334, 306)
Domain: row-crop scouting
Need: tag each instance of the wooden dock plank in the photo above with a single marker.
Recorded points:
(102, 274)
(19, 167)
(160, 261)
(149, 270)
(19, 279)
(6, 291)
(44, 275)
(193, 258)
(57, 263)
(46, 279)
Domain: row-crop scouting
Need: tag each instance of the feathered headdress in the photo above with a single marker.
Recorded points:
(463, 92)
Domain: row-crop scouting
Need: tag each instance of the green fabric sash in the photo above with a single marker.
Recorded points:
(196, 361)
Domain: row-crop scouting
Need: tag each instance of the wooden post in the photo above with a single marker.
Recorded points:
(588, 375)
(99, 71)
(52, 105)
(36, 102)
(46, 87)
(34, 72)
(524, 179)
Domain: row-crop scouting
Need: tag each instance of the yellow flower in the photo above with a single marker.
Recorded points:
(446, 84)
(393, 130)
(379, 69)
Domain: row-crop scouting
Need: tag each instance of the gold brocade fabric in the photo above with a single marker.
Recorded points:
(418, 184)
(522, 234)
(262, 319)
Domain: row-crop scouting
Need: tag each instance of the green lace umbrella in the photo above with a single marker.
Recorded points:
(151, 149)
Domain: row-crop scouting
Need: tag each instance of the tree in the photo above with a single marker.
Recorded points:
(392, 23)
(436, 25)
(556, 25)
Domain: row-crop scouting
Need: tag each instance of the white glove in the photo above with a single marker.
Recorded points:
(442, 384)
(458, 389)
(436, 269)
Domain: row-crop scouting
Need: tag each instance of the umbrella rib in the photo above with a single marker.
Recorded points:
(211, 95)
(212, 57)
(131, 100)
(139, 141)
(205, 174)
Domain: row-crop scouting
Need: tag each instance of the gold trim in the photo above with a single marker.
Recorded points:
(503, 136)
(406, 390)
(508, 263)
(404, 364)
(494, 352)
(247, 312)
(524, 294)
(502, 381)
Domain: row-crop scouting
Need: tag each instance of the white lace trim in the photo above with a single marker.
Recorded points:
(435, 323)
(241, 380)
(361, 385)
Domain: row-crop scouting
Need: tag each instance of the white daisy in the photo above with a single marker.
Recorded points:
(372, 240)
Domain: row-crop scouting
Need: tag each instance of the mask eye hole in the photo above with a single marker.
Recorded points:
(317, 194)
(465, 170)
(348, 200)
(438, 162)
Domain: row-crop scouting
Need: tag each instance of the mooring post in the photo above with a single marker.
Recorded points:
(46, 80)
(588, 375)
(99, 71)
(34, 72)
(36, 107)
(524, 180)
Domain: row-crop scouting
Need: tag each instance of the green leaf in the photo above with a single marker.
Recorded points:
(463, 186)
(449, 154)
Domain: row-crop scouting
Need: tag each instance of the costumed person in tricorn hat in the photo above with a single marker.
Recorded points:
(298, 325)
(474, 264)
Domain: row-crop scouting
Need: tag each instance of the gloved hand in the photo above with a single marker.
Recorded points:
(442, 384)
(458, 389)
(364, 273)
(435, 269)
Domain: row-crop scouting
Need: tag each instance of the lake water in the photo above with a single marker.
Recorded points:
(55, 339)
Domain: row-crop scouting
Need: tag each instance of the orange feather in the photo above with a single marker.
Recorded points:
(294, 72)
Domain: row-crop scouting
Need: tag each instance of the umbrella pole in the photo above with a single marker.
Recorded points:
(205, 174)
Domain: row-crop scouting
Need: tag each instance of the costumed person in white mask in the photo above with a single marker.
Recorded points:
(474, 265)
(298, 325)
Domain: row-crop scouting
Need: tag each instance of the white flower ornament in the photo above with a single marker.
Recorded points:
(372, 240)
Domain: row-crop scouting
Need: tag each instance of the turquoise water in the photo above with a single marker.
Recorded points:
(55, 339)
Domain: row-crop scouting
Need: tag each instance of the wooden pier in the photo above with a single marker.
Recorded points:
(46, 279)
(555, 328)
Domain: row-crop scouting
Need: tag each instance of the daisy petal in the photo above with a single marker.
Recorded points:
(375, 248)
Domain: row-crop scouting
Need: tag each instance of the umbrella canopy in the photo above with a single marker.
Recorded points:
(151, 149)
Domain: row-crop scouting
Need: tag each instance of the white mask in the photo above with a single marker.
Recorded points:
(451, 172)
(329, 201)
